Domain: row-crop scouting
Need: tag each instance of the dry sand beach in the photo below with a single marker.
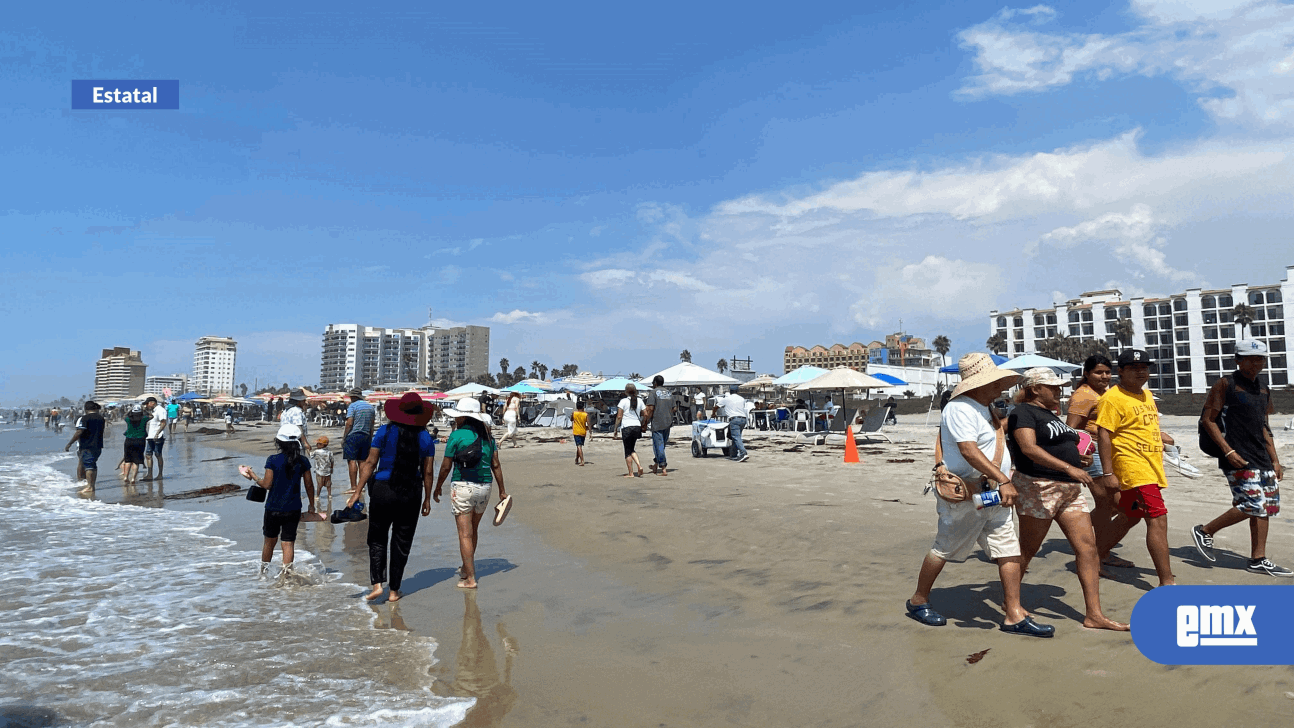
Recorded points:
(770, 593)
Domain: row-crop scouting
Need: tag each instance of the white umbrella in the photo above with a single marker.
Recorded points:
(1029, 361)
(687, 374)
(472, 388)
(843, 378)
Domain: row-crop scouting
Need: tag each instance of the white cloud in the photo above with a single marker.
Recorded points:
(1133, 236)
(1236, 56)
(935, 287)
(519, 316)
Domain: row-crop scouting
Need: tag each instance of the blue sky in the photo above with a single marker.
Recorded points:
(607, 186)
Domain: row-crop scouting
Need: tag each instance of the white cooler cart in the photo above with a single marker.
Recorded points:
(710, 435)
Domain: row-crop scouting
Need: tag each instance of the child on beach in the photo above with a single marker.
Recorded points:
(284, 472)
(580, 429)
(321, 466)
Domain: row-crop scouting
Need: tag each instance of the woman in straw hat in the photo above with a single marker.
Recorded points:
(971, 446)
(469, 491)
(398, 469)
(1050, 473)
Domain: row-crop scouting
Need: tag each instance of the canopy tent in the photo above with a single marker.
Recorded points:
(523, 388)
(952, 368)
(687, 374)
(843, 378)
(799, 376)
(890, 380)
(1029, 361)
(472, 388)
(615, 384)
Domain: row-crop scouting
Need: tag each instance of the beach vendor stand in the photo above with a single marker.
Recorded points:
(710, 435)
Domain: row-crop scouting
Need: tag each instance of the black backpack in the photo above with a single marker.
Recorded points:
(1207, 444)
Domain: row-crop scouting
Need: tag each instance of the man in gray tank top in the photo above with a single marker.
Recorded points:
(1249, 460)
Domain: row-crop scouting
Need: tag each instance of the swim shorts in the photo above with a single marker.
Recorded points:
(90, 457)
(154, 446)
(281, 525)
(356, 445)
(579, 441)
(1255, 493)
(1144, 501)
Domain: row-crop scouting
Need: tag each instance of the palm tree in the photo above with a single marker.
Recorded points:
(543, 371)
(1243, 315)
(635, 375)
(534, 369)
(243, 388)
(503, 365)
(996, 343)
(685, 355)
(1123, 331)
(722, 365)
(943, 345)
(518, 374)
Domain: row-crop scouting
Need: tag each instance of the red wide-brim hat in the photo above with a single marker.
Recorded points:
(409, 410)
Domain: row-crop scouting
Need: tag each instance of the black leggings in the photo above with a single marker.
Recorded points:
(395, 514)
(629, 436)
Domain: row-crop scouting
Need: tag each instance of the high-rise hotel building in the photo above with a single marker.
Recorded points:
(214, 358)
(119, 374)
(354, 355)
(1190, 336)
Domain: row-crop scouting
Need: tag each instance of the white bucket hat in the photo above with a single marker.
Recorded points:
(1042, 375)
(978, 369)
(469, 407)
(288, 433)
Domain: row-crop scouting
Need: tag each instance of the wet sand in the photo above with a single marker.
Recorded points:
(771, 593)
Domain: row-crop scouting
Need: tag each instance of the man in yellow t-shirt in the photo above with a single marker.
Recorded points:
(1132, 448)
(580, 429)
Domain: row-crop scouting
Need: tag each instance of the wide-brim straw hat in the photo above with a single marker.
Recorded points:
(469, 407)
(409, 410)
(977, 369)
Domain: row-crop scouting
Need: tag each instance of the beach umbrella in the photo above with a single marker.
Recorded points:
(188, 397)
(891, 380)
(760, 382)
(472, 388)
(799, 376)
(615, 384)
(1029, 361)
(952, 368)
(523, 388)
(842, 378)
(379, 396)
(687, 374)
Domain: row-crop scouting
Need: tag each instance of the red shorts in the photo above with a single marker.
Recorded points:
(1144, 501)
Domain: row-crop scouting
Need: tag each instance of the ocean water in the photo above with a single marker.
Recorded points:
(120, 615)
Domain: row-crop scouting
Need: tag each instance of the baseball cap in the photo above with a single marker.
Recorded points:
(1250, 347)
(287, 433)
(1130, 357)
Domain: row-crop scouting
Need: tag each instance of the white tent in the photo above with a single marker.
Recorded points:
(687, 374)
(472, 388)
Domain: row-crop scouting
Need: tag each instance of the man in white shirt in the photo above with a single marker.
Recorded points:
(969, 435)
(156, 437)
(295, 415)
(733, 406)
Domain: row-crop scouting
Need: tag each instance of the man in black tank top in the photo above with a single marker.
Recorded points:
(1249, 462)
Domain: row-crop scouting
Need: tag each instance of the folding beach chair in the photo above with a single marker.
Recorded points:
(873, 423)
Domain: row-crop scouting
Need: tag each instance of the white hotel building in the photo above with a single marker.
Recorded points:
(354, 355)
(214, 358)
(1190, 336)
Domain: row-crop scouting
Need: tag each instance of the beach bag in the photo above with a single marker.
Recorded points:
(1207, 445)
(470, 456)
(950, 486)
(256, 494)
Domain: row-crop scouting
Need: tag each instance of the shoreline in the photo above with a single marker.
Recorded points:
(770, 593)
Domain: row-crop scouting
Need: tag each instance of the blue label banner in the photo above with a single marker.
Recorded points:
(125, 95)
(1215, 625)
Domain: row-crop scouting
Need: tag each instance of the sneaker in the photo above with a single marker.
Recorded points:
(1203, 543)
(1263, 566)
(744, 457)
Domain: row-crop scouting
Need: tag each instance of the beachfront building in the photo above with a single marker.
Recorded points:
(901, 350)
(853, 356)
(368, 357)
(120, 373)
(462, 352)
(158, 385)
(1190, 335)
(214, 358)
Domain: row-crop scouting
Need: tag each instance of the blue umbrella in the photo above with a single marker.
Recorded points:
(890, 380)
(615, 384)
(523, 388)
(799, 376)
(952, 368)
(187, 397)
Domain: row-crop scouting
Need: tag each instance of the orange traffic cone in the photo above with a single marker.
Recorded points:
(851, 447)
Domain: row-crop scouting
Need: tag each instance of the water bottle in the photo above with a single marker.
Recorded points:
(986, 498)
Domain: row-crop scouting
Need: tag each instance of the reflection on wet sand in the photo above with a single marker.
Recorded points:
(476, 674)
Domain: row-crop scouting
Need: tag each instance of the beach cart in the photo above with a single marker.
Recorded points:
(710, 435)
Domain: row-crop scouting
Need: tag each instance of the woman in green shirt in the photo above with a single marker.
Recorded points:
(136, 431)
(469, 491)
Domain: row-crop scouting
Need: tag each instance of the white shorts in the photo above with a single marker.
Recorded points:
(961, 527)
(468, 497)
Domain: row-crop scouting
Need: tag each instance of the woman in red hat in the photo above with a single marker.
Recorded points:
(398, 469)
